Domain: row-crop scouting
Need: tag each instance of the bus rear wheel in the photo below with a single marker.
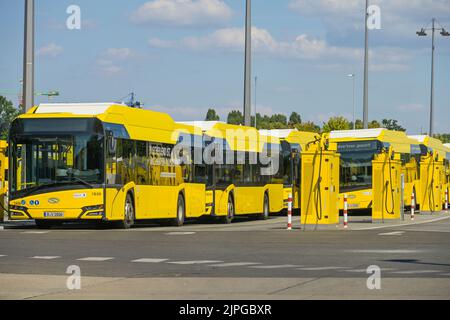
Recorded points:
(128, 220)
(266, 211)
(230, 211)
(181, 212)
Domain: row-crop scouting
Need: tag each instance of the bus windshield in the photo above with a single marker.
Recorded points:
(54, 159)
(356, 164)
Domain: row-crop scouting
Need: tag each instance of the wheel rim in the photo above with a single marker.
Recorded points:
(180, 212)
(128, 212)
(266, 208)
(230, 210)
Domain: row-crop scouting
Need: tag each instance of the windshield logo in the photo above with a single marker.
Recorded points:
(53, 200)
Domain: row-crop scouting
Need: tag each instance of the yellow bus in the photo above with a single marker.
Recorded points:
(110, 162)
(243, 183)
(441, 154)
(358, 148)
(293, 142)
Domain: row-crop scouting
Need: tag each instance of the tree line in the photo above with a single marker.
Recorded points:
(294, 121)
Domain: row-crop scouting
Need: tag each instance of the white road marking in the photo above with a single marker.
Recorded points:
(36, 232)
(149, 260)
(383, 251)
(320, 268)
(365, 270)
(2, 228)
(179, 233)
(2, 255)
(45, 257)
(235, 264)
(417, 271)
(95, 259)
(282, 266)
(395, 233)
(406, 224)
(195, 262)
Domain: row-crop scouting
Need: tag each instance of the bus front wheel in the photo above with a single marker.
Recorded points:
(128, 219)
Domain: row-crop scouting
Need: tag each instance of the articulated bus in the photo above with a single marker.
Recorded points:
(440, 152)
(110, 162)
(358, 148)
(293, 142)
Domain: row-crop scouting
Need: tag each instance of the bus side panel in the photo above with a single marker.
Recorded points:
(158, 202)
(249, 200)
(276, 201)
(195, 196)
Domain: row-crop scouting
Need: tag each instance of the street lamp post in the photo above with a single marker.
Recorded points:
(423, 33)
(366, 71)
(248, 64)
(28, 56)
(352, 75)
(256, 87)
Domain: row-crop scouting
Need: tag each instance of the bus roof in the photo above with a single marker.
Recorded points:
(434, 144)
(397, 139)
(136, 121)
(292, 136)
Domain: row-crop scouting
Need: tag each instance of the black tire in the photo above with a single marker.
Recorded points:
(228, 219)
(181, 212)
(129, 214)
(266, 209)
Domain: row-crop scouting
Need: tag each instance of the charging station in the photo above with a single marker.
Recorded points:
(320, 184)
(386, 180)
(431, 183)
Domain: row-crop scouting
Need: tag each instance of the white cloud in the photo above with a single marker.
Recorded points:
(411, 107)
(109, 60)
(119, 53)
(183, 12)
(51, 50)
(303, 47)
(400, 18)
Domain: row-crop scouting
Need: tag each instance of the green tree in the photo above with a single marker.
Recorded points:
(211, 115)
(392, 124)
(294, 119)
(374, 124)
(444, 137)
(7, 115)
(336, 123)
(308, 127)
(235, 117)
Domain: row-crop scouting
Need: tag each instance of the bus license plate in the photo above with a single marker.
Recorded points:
(53, 214)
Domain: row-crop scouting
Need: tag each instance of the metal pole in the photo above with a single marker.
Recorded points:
(256, 87)
(402, 192)
(432, 79)
(366, 71)
(248, 65)
(28, 57)
(354, 116)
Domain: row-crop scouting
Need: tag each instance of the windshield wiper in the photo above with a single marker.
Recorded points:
(83, 182)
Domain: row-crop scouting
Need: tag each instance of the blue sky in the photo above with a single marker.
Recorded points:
(184, 56)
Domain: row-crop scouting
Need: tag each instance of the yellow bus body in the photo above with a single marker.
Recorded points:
(401, 144)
